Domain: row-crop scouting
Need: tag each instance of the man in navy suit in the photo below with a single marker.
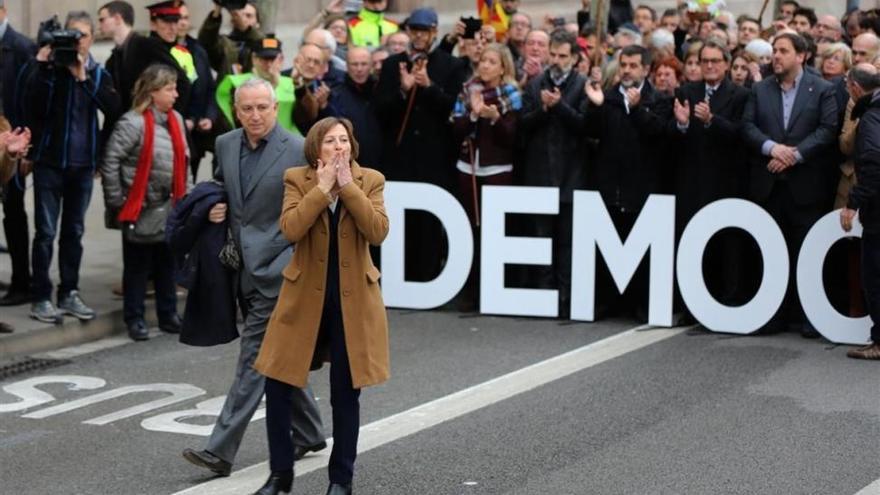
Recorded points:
(790, 128)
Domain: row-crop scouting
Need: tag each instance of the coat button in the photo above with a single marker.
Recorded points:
(318, 288)
(345, 234)
(346, 293)
(345, 264)
(324, 232)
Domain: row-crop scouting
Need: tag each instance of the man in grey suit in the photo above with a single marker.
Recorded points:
(252, 161)
(790, 127)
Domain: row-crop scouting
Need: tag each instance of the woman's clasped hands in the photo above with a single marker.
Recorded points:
(334, 174)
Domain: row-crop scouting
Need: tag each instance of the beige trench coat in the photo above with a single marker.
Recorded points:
(289, 347)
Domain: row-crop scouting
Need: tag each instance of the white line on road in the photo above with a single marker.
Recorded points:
(872, 489)
(90, 347)
(455, 405)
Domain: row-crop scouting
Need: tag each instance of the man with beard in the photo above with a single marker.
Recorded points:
(709, 162)
(370, 26)
(231, 53)
(416, 94)
(552, 123)
(790, 127)
(353, 100)
(630, 121)
(266, 60)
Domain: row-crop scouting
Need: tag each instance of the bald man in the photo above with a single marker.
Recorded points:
(354, 100)
(865, 47)
(828, 28)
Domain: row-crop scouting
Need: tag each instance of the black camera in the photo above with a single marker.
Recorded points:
(231, 4)
(64, 42)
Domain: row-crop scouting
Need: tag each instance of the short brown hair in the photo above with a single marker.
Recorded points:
(315, 138)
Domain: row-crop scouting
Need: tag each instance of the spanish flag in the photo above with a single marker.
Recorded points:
(493, 14)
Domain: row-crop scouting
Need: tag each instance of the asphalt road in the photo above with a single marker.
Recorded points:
(694, 413)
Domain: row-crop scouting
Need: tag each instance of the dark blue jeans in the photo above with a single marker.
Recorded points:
(139, 262)
(344, 400)
(64, 192)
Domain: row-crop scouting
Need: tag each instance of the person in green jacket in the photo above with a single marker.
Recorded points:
(231, 53)
(370, 25)
(266, 60)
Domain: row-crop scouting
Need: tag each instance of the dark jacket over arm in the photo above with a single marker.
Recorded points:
(864, 195)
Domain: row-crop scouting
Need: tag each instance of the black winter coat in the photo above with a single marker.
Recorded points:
(865, 195)
(48, 94)
(553, 142)
(426, 153)
(710, 162)
(630, 161)
(357, 104)
(195, 242)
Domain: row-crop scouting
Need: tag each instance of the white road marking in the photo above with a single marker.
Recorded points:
(90, 347)
(872, 489)
(455, 405)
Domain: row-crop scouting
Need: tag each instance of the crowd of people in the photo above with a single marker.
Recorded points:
(703, 105)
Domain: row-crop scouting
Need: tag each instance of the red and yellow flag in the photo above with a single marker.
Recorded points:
(493, 14)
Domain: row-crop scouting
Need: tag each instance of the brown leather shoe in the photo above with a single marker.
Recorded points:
(870, 351)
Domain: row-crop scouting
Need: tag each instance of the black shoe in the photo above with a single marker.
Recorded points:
(6, 327)
(337, 489)
(171, 325)
(299, 451)
(280, 482)
(15, 298)
(205, 459)
(808, 331)
(137, 330)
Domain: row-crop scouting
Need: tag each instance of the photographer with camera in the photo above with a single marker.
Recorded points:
(231, 53)
(63, 90)
(15, 52)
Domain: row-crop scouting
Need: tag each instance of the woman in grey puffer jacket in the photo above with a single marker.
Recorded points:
(144, 173)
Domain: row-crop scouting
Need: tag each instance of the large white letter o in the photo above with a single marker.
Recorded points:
(760, 225)
(832, 325)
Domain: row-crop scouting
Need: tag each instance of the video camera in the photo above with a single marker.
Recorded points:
(231, 4)
(64, 42)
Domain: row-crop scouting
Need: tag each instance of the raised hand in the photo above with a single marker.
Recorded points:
(476, 101)
(420, 73)
(490, 112)
(326, 176)
(702, 112)
(846, 218)
(682, 111)
(407, 80)
(342, 164)
(594, 92)
(634, 97)
(19, 142)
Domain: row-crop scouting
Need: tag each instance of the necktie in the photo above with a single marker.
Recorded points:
(709, 92)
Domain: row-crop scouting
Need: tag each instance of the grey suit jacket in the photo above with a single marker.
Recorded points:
(253, 213)
(812, 128)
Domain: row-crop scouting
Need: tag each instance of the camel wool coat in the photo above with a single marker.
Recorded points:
(290, 345)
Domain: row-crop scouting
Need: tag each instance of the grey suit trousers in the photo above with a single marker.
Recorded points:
(246, 391)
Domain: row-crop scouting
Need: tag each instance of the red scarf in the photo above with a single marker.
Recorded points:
(131, 210)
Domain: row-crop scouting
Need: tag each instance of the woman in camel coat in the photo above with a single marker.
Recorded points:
(330, 307)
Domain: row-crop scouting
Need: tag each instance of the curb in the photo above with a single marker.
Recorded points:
(72, 332)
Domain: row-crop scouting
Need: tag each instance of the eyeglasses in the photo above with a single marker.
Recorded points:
(711, 61)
